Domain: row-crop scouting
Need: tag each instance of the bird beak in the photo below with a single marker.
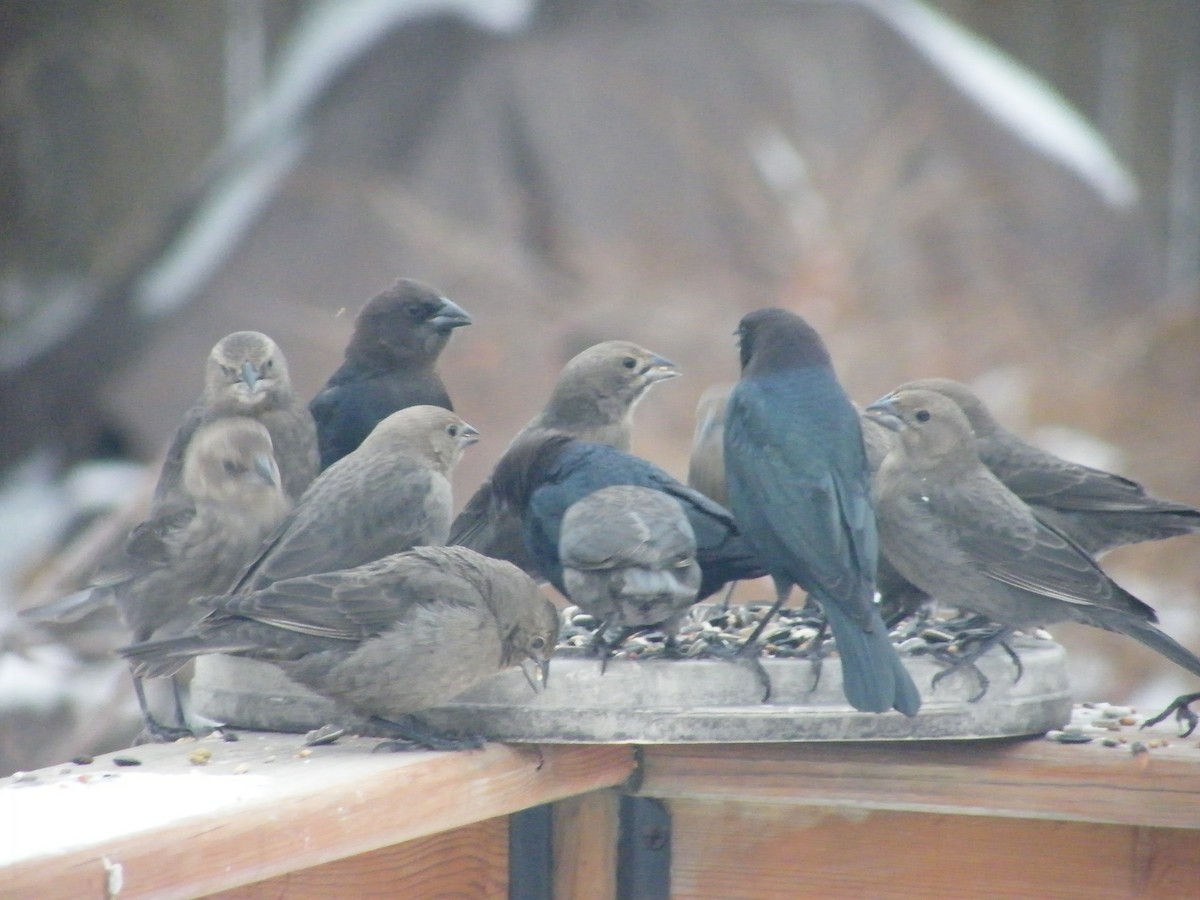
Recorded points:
(659, 368)
(265, 466)
(250, 375)
(885, 411)
(451, 315)
(467, 435)
(537, 683)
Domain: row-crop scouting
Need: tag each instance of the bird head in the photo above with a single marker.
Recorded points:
(933, 430)
(245, 369)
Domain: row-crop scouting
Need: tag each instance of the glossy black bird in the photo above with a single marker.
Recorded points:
(388, 639)
(628, 557)
(545, 472)
(391, 494)
(390, 364)
(246, 375)
(952, 528)
(800, 490)
(1098, 510)
(593, 399)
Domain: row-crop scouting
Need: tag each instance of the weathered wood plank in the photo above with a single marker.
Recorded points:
(585, 846)
(467, 862)
(750, 851)
(1025, 778)
(171, 829)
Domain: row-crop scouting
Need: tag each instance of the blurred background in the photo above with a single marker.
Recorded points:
(1003, 193)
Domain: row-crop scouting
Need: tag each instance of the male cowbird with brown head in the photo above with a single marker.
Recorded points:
(391, 494)
(1098, 510)
(628, 557)
(593, 399)
(800, 490)
(546, 472)
(390, 364)
(234, 499)
(246, 375)
(954, 530)
(387, 639)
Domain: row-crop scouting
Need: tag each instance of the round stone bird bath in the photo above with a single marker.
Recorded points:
(680, 701)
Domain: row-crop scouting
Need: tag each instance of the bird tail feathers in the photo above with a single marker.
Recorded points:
(158, 659)
(873, 676)
(1148, 634)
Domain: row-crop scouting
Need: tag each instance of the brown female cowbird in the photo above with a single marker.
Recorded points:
(233, 500)
(954, 530)
(628, 557)
(387, 639)
(593, 400)
(800, 490)
(1098, 510)
(391, 494)
(706, 465)
(390, 364)
(246, 375)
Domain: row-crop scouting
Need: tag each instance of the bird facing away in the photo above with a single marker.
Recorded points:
(800, 490)
(390, 364)
(246, 375)
(628, 557)
(234, 499)
(546, 472)
(391, 494)
(593, 399)
(1098, 510)
(706, 465)
(387, 639)
(954, 530)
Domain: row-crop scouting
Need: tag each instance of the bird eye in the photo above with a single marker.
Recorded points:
(414, 312)
(538, 643)
(230, 371)
(922, 415)
(268, 366)
(452, 431)
(231, 468)
(629, 362)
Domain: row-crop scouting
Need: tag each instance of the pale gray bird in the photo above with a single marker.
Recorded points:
(594, 400)
(949, 525)
(246, 375)
(1098, 510)
(391, 494)
(628, 557)
(233, 499)
(387, 639)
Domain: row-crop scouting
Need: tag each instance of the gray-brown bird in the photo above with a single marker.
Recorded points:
(706, 465)
(952, 528)
(594, 400)
(391, 494)
(387, 639)
(390, 364)
(233, 496)
(628, 556)
(1098, 510)
(246, 375)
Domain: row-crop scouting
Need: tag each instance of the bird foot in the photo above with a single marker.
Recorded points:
(412, 734)
(980, 640)
(154, 732)
(1181, 707)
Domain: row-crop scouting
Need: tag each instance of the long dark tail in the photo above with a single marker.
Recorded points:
(873, 677)
(1146, 633)
(157, 659)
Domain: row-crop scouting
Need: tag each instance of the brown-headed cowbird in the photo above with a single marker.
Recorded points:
(390, 364)
(593, 399)
(233, 496)
(800, 490)
(954, 530)
(706, 465)
(391, 494)
(628, 557)
(387, 639)
(546, 472)
(246, 375)
(1098, 510)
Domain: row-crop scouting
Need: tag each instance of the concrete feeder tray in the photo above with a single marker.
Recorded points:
(680, 701)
